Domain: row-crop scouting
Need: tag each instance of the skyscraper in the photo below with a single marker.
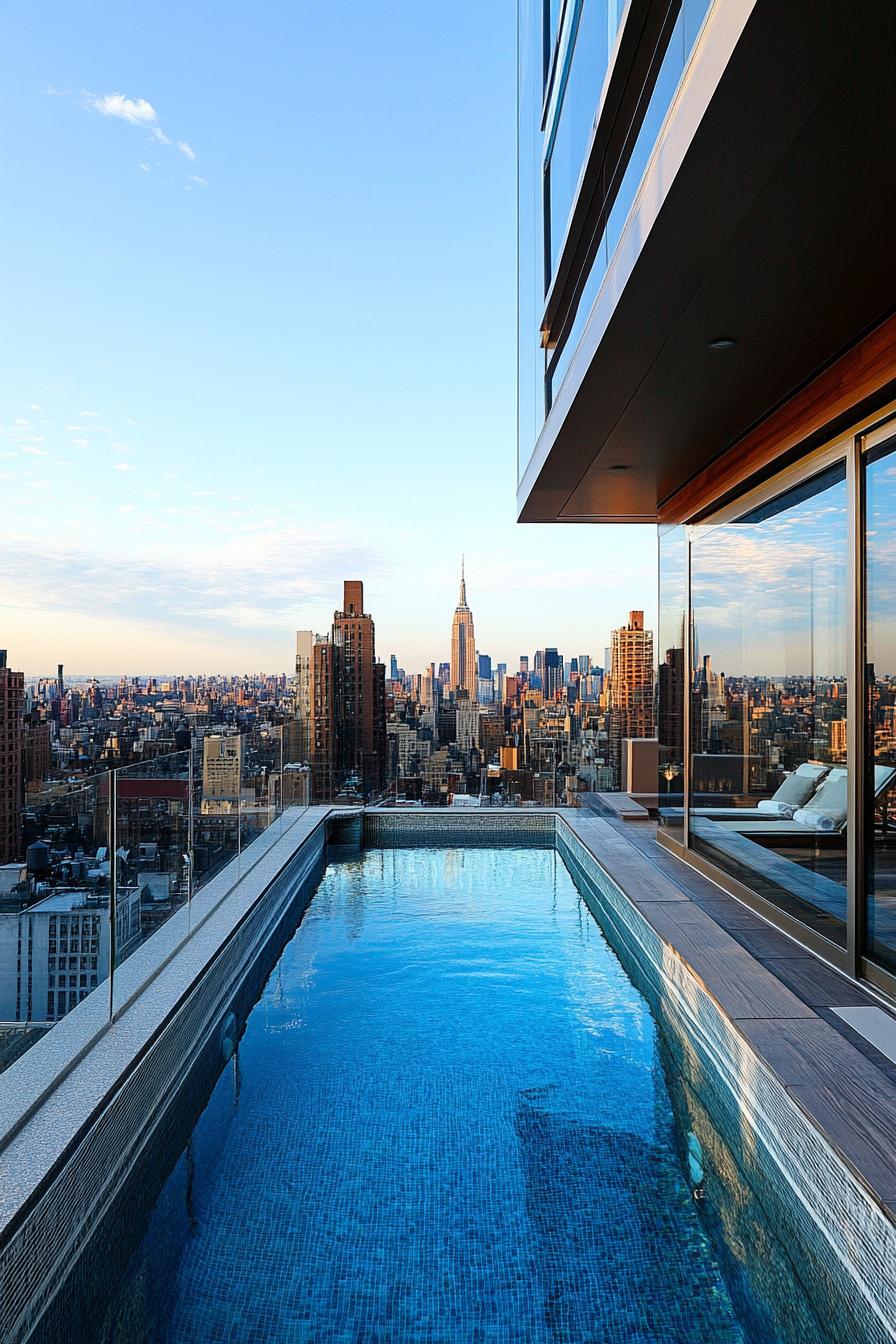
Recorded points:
(463, 644)
(12, 702)
(304, 719)
(551, 672)
(349, 702)
(631, 687)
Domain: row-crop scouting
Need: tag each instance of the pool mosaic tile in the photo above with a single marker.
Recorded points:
(451, 1123)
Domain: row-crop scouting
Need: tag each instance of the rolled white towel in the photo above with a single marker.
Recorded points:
(816, 821)
(775, 809)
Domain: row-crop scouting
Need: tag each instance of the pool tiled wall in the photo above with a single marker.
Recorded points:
(442, 826)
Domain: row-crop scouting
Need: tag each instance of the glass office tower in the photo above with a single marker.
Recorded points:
(707, 341)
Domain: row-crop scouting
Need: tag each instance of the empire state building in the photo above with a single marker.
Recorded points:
(463, 644)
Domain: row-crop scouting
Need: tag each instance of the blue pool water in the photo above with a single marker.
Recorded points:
(447, 1121)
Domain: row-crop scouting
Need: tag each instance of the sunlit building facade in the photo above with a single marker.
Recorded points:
(463, 645)
(630, 699)
(706, 341)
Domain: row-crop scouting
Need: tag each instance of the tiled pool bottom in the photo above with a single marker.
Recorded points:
(447, 1121)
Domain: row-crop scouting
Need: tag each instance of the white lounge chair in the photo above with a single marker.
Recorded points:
(794, 791)
(824, 814)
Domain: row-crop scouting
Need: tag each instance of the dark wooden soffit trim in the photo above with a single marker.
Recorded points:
(848, 389)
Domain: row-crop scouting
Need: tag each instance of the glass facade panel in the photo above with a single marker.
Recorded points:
(673, 606)
(586, 67)
(530, 254)
(880, 671)
(677, 54)
(768, 700)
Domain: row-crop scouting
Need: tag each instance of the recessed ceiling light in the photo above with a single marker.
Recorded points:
(722, 342)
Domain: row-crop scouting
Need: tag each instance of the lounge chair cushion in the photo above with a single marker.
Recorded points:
(794, 790)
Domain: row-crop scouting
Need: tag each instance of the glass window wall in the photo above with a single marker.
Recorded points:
(530, 247)
(634, 165)
(673, 607)
(769, 700)
(880, 725)
(581, 81)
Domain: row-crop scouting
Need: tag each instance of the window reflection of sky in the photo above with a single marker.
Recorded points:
(880, 481)
(769, 597)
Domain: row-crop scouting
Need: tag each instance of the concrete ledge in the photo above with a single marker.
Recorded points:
(620, 805)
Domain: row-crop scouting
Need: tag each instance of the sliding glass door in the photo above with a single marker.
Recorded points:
(879, 470)
(768, 699)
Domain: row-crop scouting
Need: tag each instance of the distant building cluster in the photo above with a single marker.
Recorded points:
(468, 728)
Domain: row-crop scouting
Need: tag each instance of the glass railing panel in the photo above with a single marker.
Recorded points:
(261, 773)
(153, 866)
(55, 946)
(216, 805)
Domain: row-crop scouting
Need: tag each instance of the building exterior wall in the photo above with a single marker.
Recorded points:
(755, 423)
(348, 697)
(463, 646)
(12, 699)
(631, 708)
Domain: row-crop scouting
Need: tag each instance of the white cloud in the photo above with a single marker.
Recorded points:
(144, 167)
(128, 508)
(81, 443)
(136, 111)
(124, 466)
(35, 452)
(160, 137)
(200, 181)
(94, 414)
(186, 150)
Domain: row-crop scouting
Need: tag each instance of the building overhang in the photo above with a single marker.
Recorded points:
(766, 216)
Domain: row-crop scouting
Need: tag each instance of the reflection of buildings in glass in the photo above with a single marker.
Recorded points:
(670, 698)
(222, 773)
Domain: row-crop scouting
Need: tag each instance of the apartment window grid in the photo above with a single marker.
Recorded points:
(855, 738)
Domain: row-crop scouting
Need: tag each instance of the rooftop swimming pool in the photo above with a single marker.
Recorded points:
(450, 1117)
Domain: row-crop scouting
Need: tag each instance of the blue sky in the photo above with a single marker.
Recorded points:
(259, 335)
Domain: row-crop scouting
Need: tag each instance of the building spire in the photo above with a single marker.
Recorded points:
(463, 585)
